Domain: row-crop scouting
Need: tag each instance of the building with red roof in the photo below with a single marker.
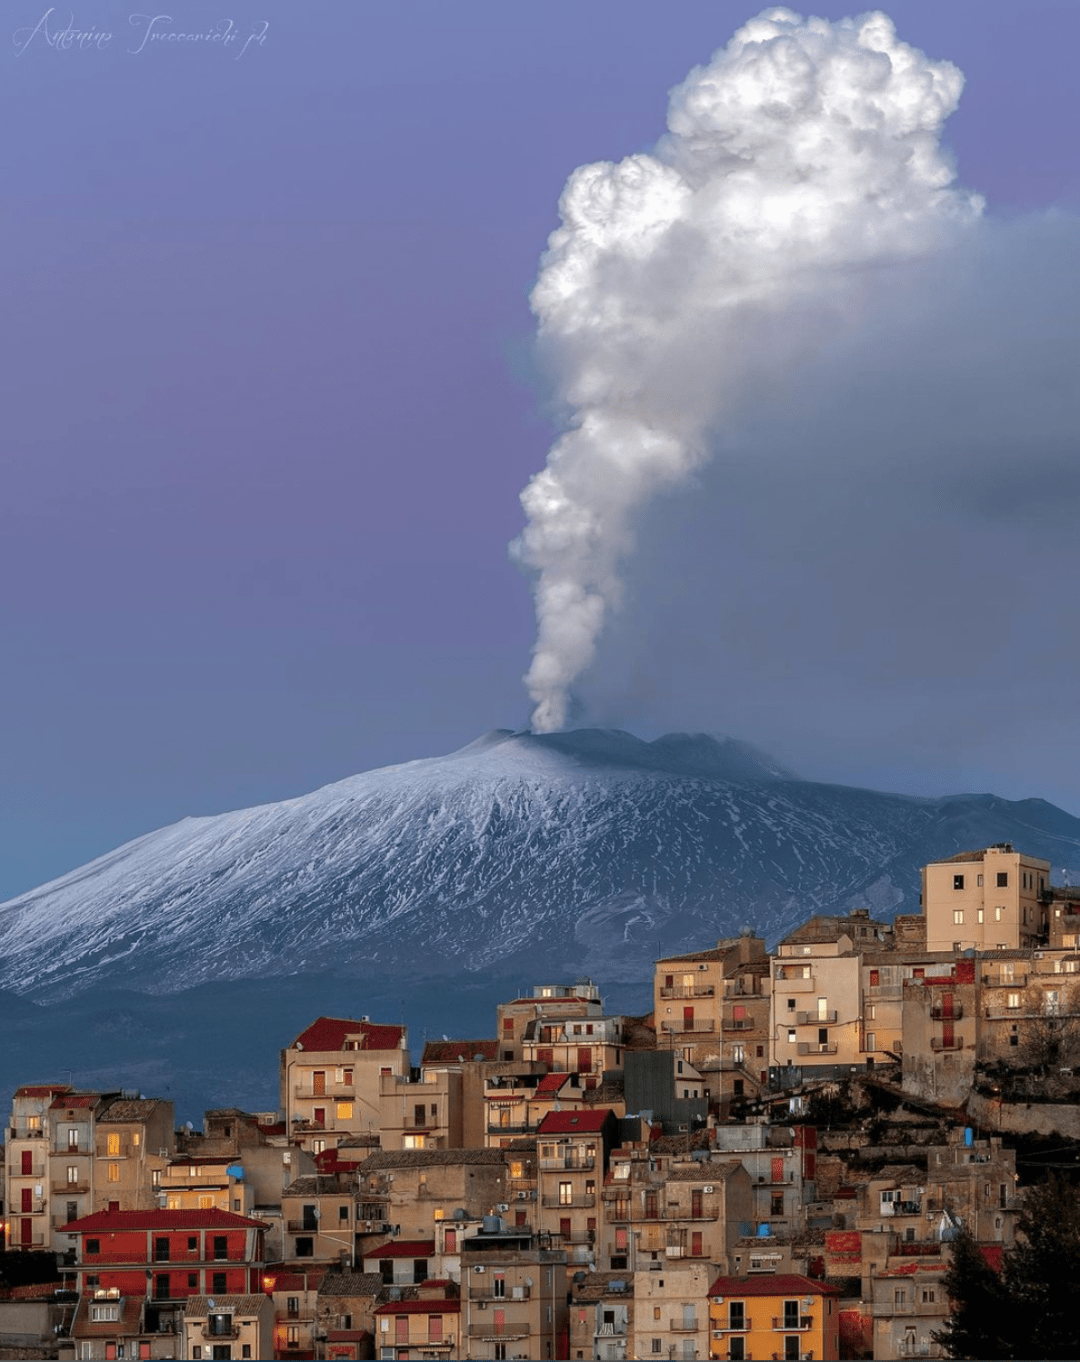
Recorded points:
(776, 1314)
(166, 1257)
(330, 1078)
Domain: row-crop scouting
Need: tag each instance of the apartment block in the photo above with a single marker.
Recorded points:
(513, 1295)
(330, 1079)
(773, 1316)
(994, 899)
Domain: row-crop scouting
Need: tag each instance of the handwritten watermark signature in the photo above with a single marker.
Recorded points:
(147, 31)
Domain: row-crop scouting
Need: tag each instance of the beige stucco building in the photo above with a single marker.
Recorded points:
(995, 899)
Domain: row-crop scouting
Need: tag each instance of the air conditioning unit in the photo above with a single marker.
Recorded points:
(710, 1188)
(480, 1268)
(481, 1305)
(502, 1206)
(523, 1196)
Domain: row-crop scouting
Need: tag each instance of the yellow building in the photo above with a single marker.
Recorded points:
(777, 1315)
(996, 899)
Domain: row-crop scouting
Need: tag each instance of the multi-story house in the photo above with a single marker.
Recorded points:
(128, 1260)
(573, 1148)
(427, 1326)
(320, 1217)
(994, 899)
(908, 1306)
(294, 1297)
(581, 1045)
(551, 1002)
(473, 1060)
(346, 1313)
(133, 1143)
(519, 1094)
(711, 1009)
(27, 1194)
(227, 1327)
(664, 1209)
(413, 1189)
(781, 1163)
(403, 1262)
(330, 1079)
(199, 1183)
(776, 1315)
(671, 1311)
(816, 1009)
(421, 1110)
(513, 1296)
(601, 1315)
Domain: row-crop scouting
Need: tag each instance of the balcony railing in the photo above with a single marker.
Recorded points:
(583, 1200)
(514, 1128)
(799, 985)
(941, 1013)
(494, 1334)
(333, 1092)
(806, 1047)
(232, 1332)
(569, 1165)
(70, 1188)
(689, 1027)
(684, 1326)
(792, 1326)
(521, 1293)
(687, 991)
(816, 1018)
(302, 1226)
(946, 1043)
(736, 1023)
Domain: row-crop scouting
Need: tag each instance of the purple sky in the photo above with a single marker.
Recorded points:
(267, 382)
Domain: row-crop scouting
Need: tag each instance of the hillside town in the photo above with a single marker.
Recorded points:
(772, 1164)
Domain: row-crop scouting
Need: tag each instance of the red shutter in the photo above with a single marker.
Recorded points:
(27, 1163)
(778, 1170)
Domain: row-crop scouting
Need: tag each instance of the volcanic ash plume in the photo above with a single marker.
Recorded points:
(803, 153)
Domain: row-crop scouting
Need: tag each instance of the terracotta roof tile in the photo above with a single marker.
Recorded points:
(331, 1033)
(450, 1051)
(574, 1122)
(403, 1248)
(211, 1219)
(446, 1306)
(771, 1284)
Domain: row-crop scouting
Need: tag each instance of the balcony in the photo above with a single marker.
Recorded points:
(516, 1128)
(335, 1092)
(806, 1047)
(798, 985)
(939, 1012)
(569, 1165)
(792, 1326)
(737, 1024)
(946, 1043)
(582, 1201)
(70, 1188)
(233, 1331)
(494, 1334)
(519, 1293)
(815, 1018)
(684, 1326)
(694, 1026)
(688, 991)
(302, 1226)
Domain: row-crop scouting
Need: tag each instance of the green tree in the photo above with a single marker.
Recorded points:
(1033, 1309)
(980, 1325)
(1041, 1275)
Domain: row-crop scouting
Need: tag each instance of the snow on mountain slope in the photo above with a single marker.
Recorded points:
(554, 854)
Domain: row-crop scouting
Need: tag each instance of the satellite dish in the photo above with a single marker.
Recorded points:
(210, 1302)
(189, 1125)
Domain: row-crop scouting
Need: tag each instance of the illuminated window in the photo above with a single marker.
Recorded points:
(344, 1111)
(113, 1142)
(113, 1172)
(206, 1203)
(958, 916)
(413, 1141)
(136, 1138)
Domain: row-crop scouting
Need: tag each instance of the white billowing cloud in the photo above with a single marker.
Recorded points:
(804, 154)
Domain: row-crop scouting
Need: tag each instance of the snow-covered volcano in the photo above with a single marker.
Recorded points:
(545, 855)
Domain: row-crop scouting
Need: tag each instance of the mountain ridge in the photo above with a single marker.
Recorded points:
(542, 853)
